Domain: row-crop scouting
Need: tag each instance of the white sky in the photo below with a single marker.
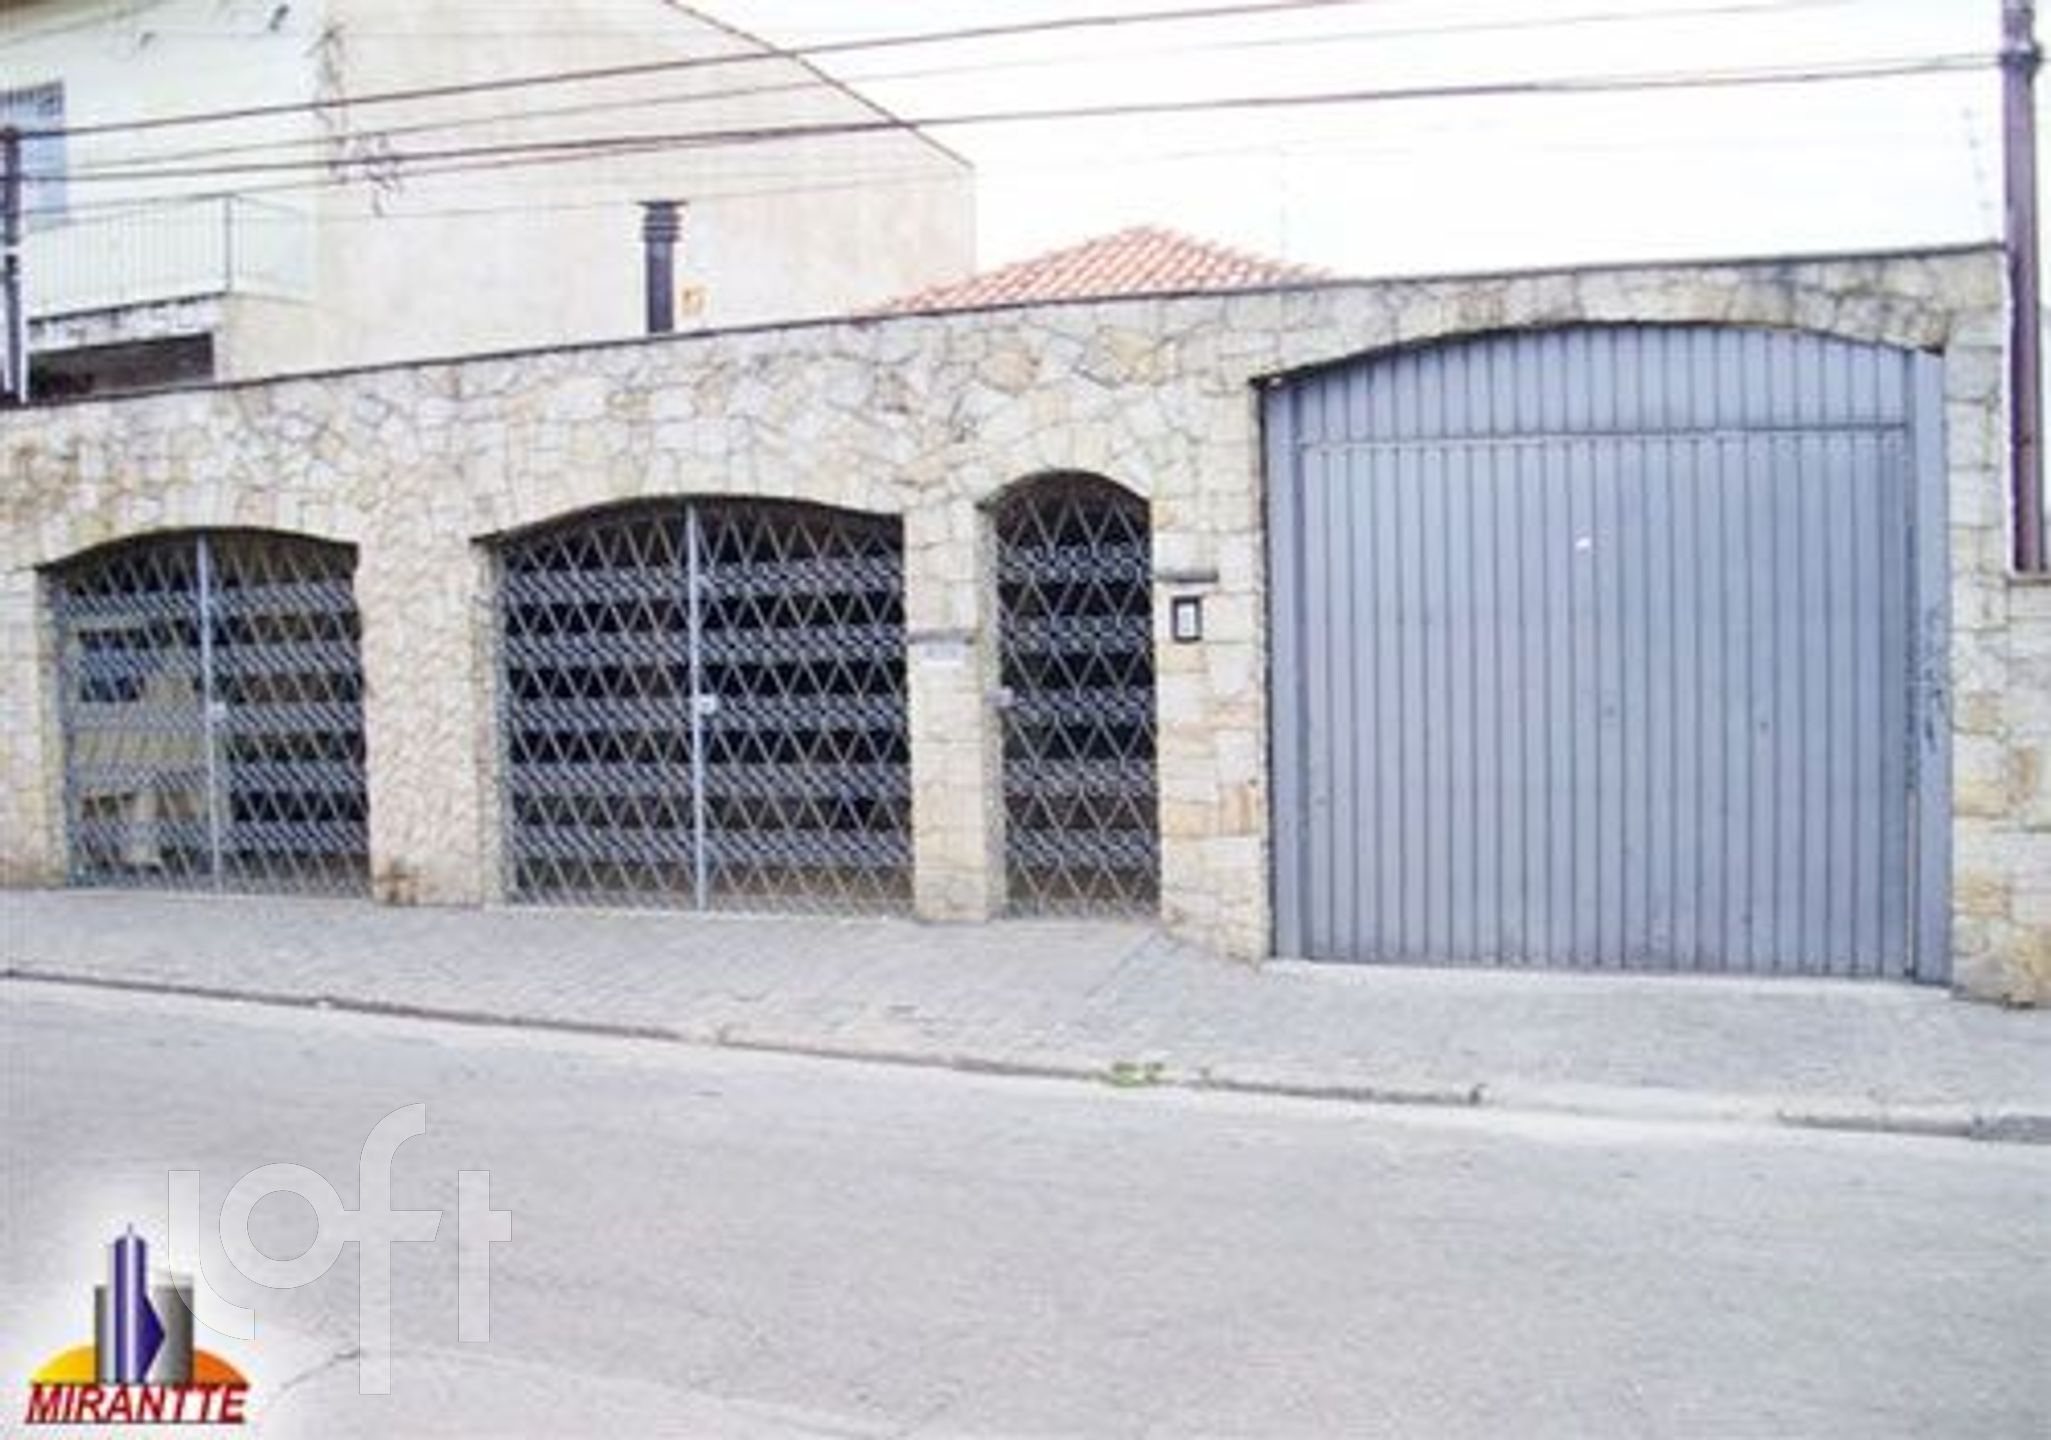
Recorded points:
(1455, 184)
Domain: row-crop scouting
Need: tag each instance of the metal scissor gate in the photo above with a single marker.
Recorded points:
(703, 704)
(211, 694)
(1076, 648)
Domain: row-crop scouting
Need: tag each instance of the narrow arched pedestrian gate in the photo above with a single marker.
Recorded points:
(703, 705)
(1076, 659)
(211, 697)
(1613, 647)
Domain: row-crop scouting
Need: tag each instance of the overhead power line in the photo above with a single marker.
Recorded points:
(784, 179)
(766, 55)
(386, 133)
(869, 179)
(599, 32)
(1111, 20)
(396, 163)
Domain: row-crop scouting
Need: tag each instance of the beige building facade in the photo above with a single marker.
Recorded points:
(930, 419)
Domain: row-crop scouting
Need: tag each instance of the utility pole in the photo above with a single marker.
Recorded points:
(2019, 60)
(14, 381)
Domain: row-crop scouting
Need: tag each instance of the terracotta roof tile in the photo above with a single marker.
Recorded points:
(1143, 260)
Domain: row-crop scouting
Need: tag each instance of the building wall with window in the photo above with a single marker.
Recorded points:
(128, 278)
(281, 268)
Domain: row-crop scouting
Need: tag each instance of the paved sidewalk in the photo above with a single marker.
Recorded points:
(1119, 1003)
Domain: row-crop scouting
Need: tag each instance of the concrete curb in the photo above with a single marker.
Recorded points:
(1632, 1103)
(1865, 1116)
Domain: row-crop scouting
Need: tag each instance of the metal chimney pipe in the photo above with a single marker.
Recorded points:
(661, 224)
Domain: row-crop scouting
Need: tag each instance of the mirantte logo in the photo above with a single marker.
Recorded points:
(141, 1368)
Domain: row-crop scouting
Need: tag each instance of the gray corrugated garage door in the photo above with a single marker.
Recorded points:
(1597, 647)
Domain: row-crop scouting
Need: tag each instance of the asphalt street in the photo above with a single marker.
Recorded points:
(714, 1243)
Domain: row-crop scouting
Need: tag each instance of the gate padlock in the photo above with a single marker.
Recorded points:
(1003, 697)
(217, 711)
(704, 705)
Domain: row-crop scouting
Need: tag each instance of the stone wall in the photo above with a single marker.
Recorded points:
(930, 418)
(2001, 782)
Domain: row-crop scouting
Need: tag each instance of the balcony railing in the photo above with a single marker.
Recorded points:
(162, 251)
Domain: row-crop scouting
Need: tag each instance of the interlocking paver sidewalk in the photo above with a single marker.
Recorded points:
(1119, 1002)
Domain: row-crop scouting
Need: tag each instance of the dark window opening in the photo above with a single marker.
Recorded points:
(113, 369)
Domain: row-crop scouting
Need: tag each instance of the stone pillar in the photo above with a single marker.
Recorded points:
(424, 594)
(2002, 888)
(1211, 713)
(31, 743)
(1212, 763)
(957, 853)
(2000, 664)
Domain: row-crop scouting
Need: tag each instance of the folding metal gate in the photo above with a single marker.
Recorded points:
(211, 696)
(704, 705)
(1601, 647)
(1076, 651)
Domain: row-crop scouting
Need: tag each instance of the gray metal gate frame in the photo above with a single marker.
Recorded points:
(265, 738)
(761, 643)
(1928, 739)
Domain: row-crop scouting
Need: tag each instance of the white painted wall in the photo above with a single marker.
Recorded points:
(535, 254)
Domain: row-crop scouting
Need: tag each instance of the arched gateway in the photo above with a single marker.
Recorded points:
(1613, 647)
(703, 704)
(211, 695)
(1076, 655)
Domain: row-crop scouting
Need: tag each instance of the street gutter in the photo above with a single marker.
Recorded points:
(1629, 1103)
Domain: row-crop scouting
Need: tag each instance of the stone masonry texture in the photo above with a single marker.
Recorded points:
(930, 417)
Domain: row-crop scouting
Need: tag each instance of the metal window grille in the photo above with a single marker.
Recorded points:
(212, 700)
(704, 705)
(1076, 649)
